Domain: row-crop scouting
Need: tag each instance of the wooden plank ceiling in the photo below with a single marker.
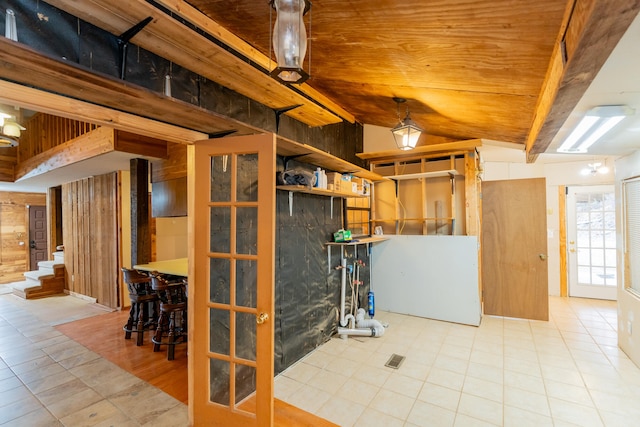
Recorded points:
(470, 69)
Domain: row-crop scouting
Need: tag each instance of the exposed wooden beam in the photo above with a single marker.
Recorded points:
(592, 30)
(52, 103)
(24, 65)
(171, 39)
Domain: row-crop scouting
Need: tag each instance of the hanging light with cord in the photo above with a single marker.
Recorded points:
(406, 133)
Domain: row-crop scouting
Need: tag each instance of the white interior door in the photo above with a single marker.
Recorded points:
(591, 242)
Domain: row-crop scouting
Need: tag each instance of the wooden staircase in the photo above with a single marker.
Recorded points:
(48, 279)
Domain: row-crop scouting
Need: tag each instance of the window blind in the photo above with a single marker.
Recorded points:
(632, 233)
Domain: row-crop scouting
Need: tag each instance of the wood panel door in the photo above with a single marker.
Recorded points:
(37, 235)
(514, 248)
(231, 281)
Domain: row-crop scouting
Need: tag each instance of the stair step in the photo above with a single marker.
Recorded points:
(22, 286)
(36, 274)
(49, 264)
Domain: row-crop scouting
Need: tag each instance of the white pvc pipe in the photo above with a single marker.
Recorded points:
(356, 331)
(343, 290)
(373, 324)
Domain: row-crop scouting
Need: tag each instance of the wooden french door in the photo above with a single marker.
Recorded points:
(514, 248)
(231, 281)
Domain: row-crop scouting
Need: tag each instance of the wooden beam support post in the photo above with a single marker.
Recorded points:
(140, 233)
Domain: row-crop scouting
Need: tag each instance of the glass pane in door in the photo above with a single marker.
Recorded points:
(233, 243)
(591, 242)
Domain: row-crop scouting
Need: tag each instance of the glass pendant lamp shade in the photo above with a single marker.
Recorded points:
(290, 40)
(406, 133)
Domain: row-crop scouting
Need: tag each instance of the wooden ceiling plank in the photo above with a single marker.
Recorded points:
(176, 42)
(592, 32)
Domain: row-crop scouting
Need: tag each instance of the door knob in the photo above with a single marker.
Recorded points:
(542, 256)
(261, 318)
(572, 250)
(32, 244)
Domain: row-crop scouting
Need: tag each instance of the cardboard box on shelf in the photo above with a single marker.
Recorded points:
(334, 181)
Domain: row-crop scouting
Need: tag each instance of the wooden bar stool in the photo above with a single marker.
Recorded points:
(142, 296)
(172, 323)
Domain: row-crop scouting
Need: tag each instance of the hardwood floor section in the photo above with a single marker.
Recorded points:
(103, 334)
(287, 415)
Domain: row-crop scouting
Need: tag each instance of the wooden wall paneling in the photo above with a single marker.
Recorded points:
(44, 132)
(169, 198)
(173, 166)
(67, 233)
(91, 237)
(85, 237)
(13, 261)
(13, 230)
(119, 241)
(8, 160)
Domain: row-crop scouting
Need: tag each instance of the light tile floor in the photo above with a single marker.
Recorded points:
(565, 372)
(507, 372)
(47, 379)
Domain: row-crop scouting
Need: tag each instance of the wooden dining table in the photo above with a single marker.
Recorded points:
(173, 267)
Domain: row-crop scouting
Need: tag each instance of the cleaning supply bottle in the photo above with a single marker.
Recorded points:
(371, 304)
(318, 175)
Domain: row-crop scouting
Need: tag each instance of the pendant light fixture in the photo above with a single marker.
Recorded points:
(9, 130)
(406, 133)
(289, 40)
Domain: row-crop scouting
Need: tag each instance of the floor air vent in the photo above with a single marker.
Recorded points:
(394, 361)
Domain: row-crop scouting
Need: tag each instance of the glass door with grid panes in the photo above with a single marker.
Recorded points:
(591, 242)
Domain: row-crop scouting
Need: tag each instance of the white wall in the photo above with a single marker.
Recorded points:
(441, 282)
(377, 138)
(503, 164)
(628, 304)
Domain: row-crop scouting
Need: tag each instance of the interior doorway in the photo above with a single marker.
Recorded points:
(514, 248)
(37, 235)
(591, 241)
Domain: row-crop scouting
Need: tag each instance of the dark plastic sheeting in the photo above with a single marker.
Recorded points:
(307, 295)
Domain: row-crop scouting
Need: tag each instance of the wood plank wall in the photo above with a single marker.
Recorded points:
(90, 233)
(8, 160)
(45, 131)
(13, 221)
